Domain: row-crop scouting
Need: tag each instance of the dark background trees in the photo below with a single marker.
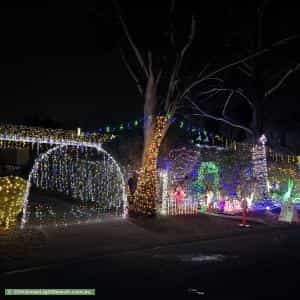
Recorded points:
(252, 87)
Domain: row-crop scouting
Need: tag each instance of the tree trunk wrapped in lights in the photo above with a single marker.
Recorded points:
(146, 192)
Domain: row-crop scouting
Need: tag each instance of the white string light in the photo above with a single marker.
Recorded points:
(39, 176)
(260, 167)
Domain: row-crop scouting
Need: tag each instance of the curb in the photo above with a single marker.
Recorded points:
(254, 220)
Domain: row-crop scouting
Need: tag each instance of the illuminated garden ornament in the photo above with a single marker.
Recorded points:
(260, 168)
(165, 197)
(250, 199)
(78, 131)
(263, 139)
(207, 169)
(290, 193)
(288, 212)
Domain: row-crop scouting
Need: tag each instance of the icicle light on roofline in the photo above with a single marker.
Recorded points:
(51, 136)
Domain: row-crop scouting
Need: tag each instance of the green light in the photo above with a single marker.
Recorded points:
(181, 124)
(288, 193)
(107, 129)
(136, 123)
(121, 127)
(208, 168)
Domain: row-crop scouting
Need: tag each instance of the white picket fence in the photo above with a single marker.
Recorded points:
(186, 207)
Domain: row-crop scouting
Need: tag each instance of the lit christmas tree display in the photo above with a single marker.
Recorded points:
(260, 168)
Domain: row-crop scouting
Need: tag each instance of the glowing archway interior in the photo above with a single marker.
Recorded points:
(45, 155)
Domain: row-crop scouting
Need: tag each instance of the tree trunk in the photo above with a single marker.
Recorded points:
(144, 201)
(258, 102)
(257, 123)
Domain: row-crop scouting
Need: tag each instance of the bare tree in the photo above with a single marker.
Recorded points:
(166, 90)
(260, 87)
(160, 103)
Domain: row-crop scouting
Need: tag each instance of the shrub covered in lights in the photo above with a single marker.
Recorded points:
(12, 190)
(213, 166)
(208, 175)
(283, 181)
(284, 192)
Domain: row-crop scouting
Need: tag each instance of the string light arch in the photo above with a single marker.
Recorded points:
(45, 155)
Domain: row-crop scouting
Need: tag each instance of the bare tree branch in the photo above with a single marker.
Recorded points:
(172, 27)
(172, 6)
(150, 62)
(242, 60)
(216, 79)
(240, 92)
(158, 77)
(203, 70)
(213, 90)
(224, 120)
(172, 84)
(237, 91)
(227, 103)
(248, 67)
(209, 96)
(190, 39)
(245, 71)
(260, 15)
(131, 72)
(178, 63)
(130, 40)
(282, 80)
(150, 97)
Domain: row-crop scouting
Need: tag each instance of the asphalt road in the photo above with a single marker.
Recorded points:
(244, 267)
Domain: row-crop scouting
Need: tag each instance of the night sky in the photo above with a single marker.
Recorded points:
(61, 60)
(57, 63)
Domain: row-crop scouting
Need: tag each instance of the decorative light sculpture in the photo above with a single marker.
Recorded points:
(165, 195)
(78, 131)
(260, 168)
